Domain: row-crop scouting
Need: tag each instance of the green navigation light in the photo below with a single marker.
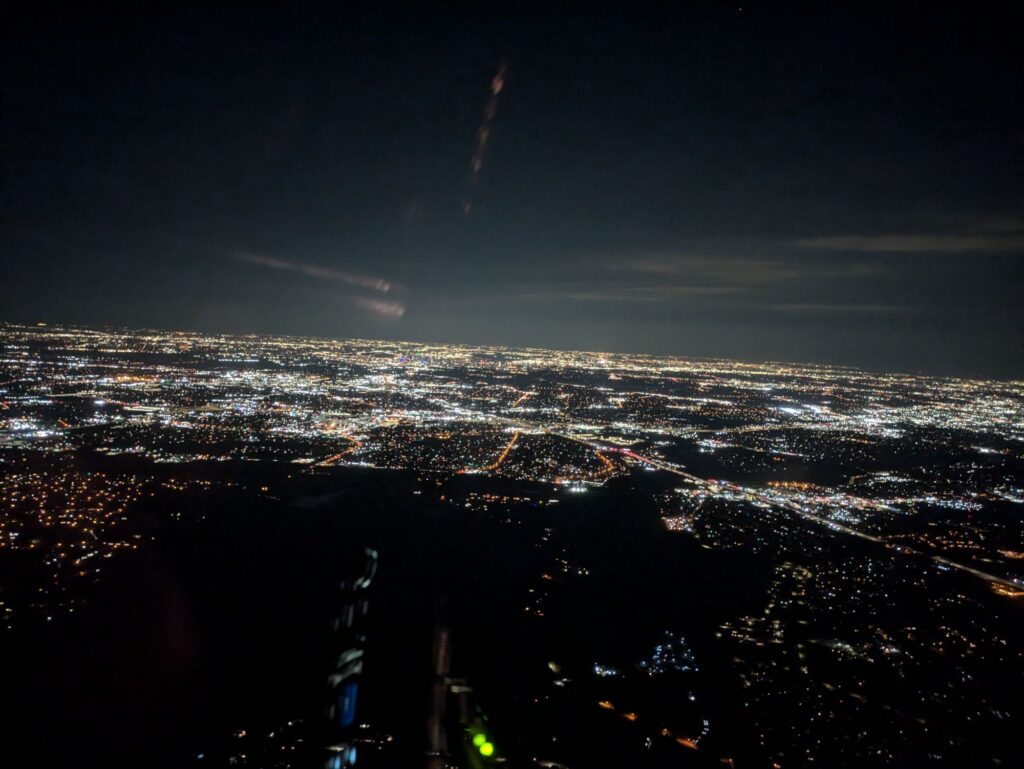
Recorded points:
(479, 739)
(487, 749)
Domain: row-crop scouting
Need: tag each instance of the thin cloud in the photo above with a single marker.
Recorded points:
(385, 309)
(388, 309)
(731, 270)
(483, 133)
(873, 309)
(957, 243)
(654, 278)
(323, 273)
(629, 294)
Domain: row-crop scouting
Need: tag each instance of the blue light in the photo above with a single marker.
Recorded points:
(347, 704)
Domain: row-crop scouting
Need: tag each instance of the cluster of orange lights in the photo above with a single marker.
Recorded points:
(1006, 590)
(686, 742)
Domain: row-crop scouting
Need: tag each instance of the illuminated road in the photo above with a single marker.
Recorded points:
(331, 460)
(608, 467)
(504, 454)
(527, 426)
(794, 508)
(522, 398)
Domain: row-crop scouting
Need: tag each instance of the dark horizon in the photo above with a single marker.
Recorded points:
(836, 186)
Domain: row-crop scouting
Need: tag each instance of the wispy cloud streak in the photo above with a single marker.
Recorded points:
(483, 133)
(1004, 241)
(871, 309)
(392, 309)
(627, 294)
(380, 307)
(323, 273)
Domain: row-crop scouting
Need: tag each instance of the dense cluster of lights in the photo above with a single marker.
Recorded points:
(864, 490)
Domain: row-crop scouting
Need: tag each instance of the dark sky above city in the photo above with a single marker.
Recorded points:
(719, 179)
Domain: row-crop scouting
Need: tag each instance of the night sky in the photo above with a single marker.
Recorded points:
(722, 180)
